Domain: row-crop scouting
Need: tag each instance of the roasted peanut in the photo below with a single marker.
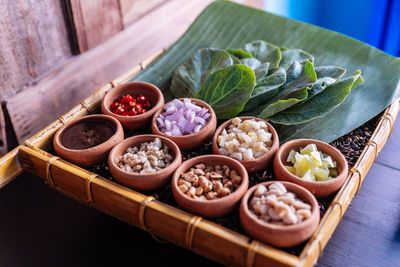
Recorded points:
(211, 195)
(217, 186)
(236, 180)
(215, 175)
(223, 192)
(199, 190)
(203, 182)
(200, 166)
(183, 188)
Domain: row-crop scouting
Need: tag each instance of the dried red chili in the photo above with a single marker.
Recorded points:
(130, 105)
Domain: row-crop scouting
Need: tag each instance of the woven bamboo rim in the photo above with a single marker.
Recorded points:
(251, 253)
(48, 172)
(190, 230)
(142, 223)
(32, 152)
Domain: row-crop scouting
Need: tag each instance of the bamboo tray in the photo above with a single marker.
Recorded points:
(179, 227)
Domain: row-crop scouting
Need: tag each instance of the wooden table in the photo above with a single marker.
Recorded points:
(40, 227)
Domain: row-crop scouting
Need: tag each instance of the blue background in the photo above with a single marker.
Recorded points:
(376, 22)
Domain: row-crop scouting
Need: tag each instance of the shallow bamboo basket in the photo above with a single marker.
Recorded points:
(163, 221)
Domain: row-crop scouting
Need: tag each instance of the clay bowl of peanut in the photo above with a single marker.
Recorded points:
(282, 214)
(144, 162)
(209, 185)
(319, 187)
(188, 133)
(133, 104)
(250, 140)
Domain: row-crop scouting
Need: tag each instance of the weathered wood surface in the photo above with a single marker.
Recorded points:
(95, 21)
(33, 39)
(132, 10)
(64, 88)
(3, 134)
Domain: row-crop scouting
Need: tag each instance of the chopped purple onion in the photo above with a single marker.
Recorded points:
(182, 118)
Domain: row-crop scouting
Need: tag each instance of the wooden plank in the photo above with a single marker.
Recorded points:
(65, 87)
(33, 38)
(132, 10)
(368, 234)
(95, 21)
(3, 134)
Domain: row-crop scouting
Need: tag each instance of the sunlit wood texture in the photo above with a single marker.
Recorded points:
(33, 39)
(95, 21)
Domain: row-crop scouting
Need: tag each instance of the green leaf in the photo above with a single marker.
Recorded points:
(320, 104)
(289, 56)
(227, 90)
(329, 71)
(326, 75)
(225, 24)
(266, 88)
(298, 81)
(286, 101)
(260, 69)
(265, 52)
(188, 78)
(239, 53)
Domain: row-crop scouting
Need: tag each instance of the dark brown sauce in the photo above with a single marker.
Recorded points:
(87, 134)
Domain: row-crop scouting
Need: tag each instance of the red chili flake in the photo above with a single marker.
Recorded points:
(141, 99)
(130, 105)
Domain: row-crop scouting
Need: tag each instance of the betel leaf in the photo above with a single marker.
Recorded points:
(188, 77)
(239, 53)
(330, 71)
(265, 52)
(227, 90)
(260, 69)
(320, 104)
(284, 102)
(299, 75)
(289, 56)
(225, 24)
(298, 81)
(266, 88)
(326, 75)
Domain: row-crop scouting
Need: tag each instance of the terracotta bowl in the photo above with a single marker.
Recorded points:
(93, 155)
(216, 207)
(151, 92)
(252, 165)
(145, 181)
(319, 189)
(280, 235)
(194, 140)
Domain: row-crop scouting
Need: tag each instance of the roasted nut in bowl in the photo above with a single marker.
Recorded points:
(135, 118)
(87, 140)
(144, 162)
(188, 122)
(320, 150)
(250, 140)
(209, 185)
(282, 214)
